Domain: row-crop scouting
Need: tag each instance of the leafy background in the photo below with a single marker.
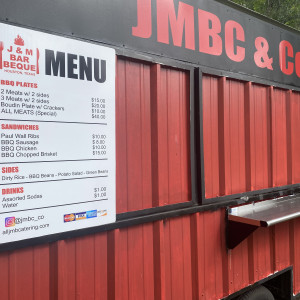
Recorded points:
(284, 11)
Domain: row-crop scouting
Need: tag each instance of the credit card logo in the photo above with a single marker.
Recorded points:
(81, 216)
(10, 222)
(103, 213)
(69, 218)
(91, 214)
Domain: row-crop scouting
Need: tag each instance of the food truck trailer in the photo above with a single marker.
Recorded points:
(149, 150)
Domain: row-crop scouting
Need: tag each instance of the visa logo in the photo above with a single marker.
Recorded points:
(81, 216)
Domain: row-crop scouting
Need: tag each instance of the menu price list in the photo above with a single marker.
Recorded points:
(25, 141)
(57, 134)
(27, 103)
(54, 167)
(12, 173)
(53, 164)
(43, 105)
(27, 196)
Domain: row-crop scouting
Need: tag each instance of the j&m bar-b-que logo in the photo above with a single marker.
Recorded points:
(18, 58)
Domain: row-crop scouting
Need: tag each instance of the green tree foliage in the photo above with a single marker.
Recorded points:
(284, 11)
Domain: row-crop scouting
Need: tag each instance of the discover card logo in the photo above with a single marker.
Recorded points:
(84, 215)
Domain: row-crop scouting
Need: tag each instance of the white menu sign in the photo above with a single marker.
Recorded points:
(57, 134)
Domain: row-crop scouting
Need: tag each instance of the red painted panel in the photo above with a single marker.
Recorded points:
(295, 141)
(187, 262)
(21, 274)
(173, 148)
(159, 261)
(41, 274)
(178, 256)
(173, 264)
(210, 135)
(137, 80)
(4, 275)
(66, 269)
(238, 267)
(250, 136)
(135, 263)
(133, 136)
(173, 136)
(140, 262)
(148, 261)
(153, 153)
(281, 251)
(234, 137)
(81, 265)
(120, 271)
(279, 137)
(184, 134)
(260, 155)
(295, 250)
(260, 255)
(213, 253)
(160, 137)
(207, 254)
(101, 266)
(132, 275)
(85, 262)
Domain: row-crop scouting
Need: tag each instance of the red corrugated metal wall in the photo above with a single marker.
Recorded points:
(250, 136)
(250, 142)
(152, 119)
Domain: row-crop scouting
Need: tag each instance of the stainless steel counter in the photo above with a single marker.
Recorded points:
(267, 213)
(245, 219)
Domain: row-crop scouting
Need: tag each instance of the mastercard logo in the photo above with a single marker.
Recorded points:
(69, 218)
